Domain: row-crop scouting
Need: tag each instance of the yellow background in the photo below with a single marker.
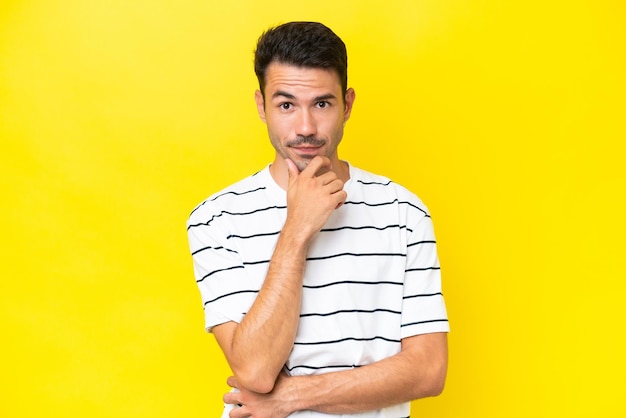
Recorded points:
(118, 117)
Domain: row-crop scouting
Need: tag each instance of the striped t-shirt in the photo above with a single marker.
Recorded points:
(372, 275)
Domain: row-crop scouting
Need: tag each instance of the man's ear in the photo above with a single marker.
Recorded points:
(260, 104)
(349, 101)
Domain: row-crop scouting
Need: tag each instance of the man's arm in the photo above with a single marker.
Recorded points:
(258, 347)
(418, 371)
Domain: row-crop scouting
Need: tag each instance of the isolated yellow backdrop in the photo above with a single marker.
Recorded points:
(118, 117)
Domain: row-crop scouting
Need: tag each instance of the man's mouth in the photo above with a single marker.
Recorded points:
(305, 150)
(303, 142)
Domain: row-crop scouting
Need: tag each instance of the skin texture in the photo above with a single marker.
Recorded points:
(416, 372)
(258, 347)
(305, 111)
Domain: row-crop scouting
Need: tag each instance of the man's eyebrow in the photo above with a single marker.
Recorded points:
(323, 97)
(281, 93)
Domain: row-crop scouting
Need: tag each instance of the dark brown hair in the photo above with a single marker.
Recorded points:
(303, 44)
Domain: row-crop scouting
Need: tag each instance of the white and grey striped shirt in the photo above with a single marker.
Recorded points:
(372, 275)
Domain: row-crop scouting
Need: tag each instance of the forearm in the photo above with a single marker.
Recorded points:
(413, 373)
(259, 346)
(263, 340)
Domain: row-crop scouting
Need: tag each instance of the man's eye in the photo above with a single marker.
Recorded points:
(322, 105)
(285, 106)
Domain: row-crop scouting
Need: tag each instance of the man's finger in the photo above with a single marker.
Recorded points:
(292, 170)
(232, 382)
(317, 166)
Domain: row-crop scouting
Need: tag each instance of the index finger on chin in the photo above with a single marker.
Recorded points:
(318, 165)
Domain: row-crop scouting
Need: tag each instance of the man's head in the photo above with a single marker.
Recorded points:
(303, 97)
(301, 44)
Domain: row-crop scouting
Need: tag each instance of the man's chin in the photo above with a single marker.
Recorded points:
(302, 163)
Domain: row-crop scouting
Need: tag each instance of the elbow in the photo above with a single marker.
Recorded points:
(256, 381)
(437, 381)
(259, 385)
(431, 380)
(437, 371)
(436, 387)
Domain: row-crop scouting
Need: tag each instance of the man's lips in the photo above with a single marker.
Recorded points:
(306, 149)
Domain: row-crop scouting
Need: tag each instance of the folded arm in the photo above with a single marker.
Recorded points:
(418, 371)
(258, 347)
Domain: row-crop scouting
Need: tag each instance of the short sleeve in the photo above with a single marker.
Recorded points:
(423, 306)
(218, 271)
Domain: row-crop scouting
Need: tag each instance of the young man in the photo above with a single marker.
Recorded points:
(320, 281)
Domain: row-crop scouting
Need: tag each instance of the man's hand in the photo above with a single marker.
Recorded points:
(258, 347)
(267, 405)
(312, 196)
(417, 371)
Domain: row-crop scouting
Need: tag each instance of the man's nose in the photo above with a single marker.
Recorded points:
(306, 125)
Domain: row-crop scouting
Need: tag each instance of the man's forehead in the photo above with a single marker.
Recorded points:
(291, 79)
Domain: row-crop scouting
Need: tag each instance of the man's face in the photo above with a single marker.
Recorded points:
(305, 112)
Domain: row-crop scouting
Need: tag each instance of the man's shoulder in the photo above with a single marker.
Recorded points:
(365, 178)
(231, 196)
(373, 185)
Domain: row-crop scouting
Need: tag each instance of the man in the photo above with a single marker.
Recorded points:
(320, 281)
